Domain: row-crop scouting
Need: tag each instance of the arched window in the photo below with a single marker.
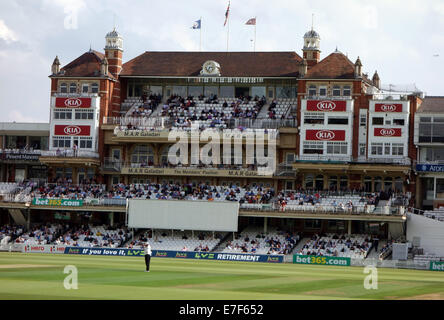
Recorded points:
(368, 184)
(319, 183)
(72, 88)
(378, 184)
(388, 183)
(399, 184)
(143, 154)
(333, 183)
(309, 181)
(63, 88)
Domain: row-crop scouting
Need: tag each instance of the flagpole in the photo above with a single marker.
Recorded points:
(200, 42)
(228, 29)
(255, 22)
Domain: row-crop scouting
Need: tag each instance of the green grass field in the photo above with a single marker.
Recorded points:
(40, 276)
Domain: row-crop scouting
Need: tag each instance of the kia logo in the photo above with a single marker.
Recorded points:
(388, 107)
(325, 135)
(73, 103)
(72, 130)
(326, 106)
(387, 132)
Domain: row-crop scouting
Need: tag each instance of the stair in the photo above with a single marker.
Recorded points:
(18, 217)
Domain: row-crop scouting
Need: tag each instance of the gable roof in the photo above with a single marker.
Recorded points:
(232, 64)
(87, 65)
(432, 104)
(334, 66)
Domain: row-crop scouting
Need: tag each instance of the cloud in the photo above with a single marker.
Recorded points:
(6, 34)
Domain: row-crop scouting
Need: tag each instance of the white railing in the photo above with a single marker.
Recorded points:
(74, 95)
(402, 161)
(323, 158)
(70, 153)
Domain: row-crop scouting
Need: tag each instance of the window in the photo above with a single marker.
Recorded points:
(346, 91)
(362, 149)
(72, 88)
(94, 88)
(85, 88)
(337, 120)
(363, 120)
(398, 122)
(312, 91)
(61, 142)
(376, 149)
(84, 114)
(377, 121)
(309, 179)
(63, 114)
(313, 148)
(387, 148)
(314, 118)
(323, 91)
(397, 149)
(336, 147)
(63, 88)
(143, 154)
(83, 142)
(336, 91)
(289, 157)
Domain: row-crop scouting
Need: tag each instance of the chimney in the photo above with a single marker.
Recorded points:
(358, 68)
(303, 68)
(376, 80)
(55, 68)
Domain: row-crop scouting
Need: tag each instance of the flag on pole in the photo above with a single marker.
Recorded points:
(252, 21)
(196, 24)
(227, 13)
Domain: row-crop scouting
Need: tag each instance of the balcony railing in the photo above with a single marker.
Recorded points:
(168, 123)
(327, 158)
(75, 95)
(69, 153)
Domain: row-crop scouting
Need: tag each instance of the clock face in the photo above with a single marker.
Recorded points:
(209, 67)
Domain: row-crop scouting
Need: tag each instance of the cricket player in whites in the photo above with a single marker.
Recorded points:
(147, 256)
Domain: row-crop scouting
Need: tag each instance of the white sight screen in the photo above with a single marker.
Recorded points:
(183, 215)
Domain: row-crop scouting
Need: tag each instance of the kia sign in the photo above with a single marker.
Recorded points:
(73, 102)
(325, 135)
(388, 107)
(327, 105)
(387, 132)
(72, 130)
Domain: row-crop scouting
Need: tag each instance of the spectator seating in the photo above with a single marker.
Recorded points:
(253, 240)
(426, 258)
(437, 214)
(353, 246)
(176, 240)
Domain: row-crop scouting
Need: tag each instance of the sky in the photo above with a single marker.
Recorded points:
(402, 39)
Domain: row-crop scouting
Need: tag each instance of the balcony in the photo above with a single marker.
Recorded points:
(75, 95)
(68, 156)
(323, 158)
(189, 170)
(404, 161)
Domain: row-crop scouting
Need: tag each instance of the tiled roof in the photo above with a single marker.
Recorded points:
(334, 66)
(232, 64)
(87, 65)
(432, 104)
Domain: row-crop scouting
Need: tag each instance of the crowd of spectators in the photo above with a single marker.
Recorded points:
(191, 191)
(215, 113)
(149, 104)
(356, 246)
(274, 242)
